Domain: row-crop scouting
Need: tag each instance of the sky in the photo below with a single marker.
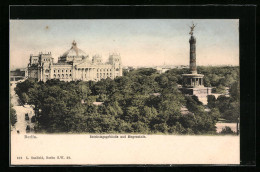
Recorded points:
(140, 42)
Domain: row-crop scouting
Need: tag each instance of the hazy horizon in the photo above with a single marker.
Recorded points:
(141, 42)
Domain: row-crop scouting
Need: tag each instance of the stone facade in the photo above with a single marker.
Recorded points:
(74, 65)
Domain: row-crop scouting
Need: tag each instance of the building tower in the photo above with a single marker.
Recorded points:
(193, 67)
(193, 82)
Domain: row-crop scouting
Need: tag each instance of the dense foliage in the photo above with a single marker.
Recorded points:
(13, 116)
(217, 77)
(220, 78)
(142, 101)
(229, 107)
(227, 130)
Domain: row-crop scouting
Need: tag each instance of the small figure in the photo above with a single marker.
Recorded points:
(18, 132)
(28, 129)
(26, 116)
(192, 29)
(33, 119)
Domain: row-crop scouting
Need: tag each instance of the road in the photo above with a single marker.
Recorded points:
(20, 112)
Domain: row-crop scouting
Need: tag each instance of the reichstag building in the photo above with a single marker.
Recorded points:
(74, 65)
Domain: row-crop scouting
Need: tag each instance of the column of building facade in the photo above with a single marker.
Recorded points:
(88, 74)
(113, 72)
(120, 71)
(93, 73)
(73, 73)
(85, 74)
(76, 74)
(83, 69)
(82, 74)
(98, 72)
(79, 74)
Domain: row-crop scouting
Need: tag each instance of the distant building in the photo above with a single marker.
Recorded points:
(18, 74)
(129, 68)
(98, 103)
(155, 94)
(162, 69)
(74, 65)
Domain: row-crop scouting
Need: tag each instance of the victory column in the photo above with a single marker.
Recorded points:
(193, 82)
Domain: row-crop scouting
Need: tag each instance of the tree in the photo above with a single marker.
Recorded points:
(220, 89)
(235, 91)
(132, 114)
(148, 114)
(84, 90)
(23, 87)
(222, 103)
(233, 112)
(162, 128)
(24, 98)
(177, 129)
(194, 105)
(215, 114)
(227, 130)
(13, 116)
(140, 127)
(129, 104)
(123, 127)
(228, 80)
(211, 101)
(214, 80)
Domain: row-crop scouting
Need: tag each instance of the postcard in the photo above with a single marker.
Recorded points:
(124, 91)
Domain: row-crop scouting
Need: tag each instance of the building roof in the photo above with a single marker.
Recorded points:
(17, 73)
(98, 103)
(62, 63)
(74, 51)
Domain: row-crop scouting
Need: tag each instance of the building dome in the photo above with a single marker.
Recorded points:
(73, 54)
(74, 51)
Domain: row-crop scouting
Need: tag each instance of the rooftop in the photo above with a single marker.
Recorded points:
(74, 51)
